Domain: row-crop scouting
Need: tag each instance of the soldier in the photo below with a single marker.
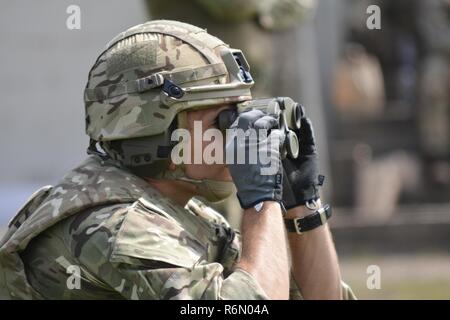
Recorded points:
(260, 28)
(127, 223)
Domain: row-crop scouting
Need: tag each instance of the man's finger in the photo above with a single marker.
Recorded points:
(266, 122)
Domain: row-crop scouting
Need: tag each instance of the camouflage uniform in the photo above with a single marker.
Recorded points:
(127, 239)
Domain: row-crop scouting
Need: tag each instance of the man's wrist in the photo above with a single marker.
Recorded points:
(265, 206)
(251, 202)
(301, 211)
(301, 225)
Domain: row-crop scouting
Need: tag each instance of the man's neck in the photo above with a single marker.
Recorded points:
(179, 191)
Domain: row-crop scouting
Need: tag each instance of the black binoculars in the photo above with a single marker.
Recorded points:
(288, 112)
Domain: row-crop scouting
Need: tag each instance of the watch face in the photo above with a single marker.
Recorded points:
(258, 207)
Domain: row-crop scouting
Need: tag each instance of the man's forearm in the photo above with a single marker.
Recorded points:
(314, 261)
(264, 251)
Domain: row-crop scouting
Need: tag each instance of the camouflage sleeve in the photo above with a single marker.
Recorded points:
(145, 255)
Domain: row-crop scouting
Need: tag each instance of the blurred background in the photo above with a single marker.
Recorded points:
(379, 99)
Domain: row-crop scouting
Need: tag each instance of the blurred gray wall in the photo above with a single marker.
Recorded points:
(43, 69)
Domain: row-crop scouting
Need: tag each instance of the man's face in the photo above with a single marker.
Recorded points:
(207, 117)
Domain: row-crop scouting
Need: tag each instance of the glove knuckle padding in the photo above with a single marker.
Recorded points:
(248, 118)
(266, 122)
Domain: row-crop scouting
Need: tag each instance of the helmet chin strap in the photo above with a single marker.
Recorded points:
(211, 190)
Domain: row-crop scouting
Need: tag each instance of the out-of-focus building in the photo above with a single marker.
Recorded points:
(391, 96)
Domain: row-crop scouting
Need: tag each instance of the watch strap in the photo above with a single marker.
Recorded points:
(310, 222)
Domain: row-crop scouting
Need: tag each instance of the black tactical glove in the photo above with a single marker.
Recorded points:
(256, 181)
(301, 175)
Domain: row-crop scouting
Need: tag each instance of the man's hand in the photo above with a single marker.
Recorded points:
(301, 175)
(256, 181)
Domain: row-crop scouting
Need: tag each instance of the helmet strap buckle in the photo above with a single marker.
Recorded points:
(150, 82)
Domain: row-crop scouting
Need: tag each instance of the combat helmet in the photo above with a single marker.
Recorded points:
(146, 78)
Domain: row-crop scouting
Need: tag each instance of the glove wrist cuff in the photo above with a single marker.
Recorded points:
(250, 204)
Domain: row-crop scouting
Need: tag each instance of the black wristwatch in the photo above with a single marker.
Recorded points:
(301, 225)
